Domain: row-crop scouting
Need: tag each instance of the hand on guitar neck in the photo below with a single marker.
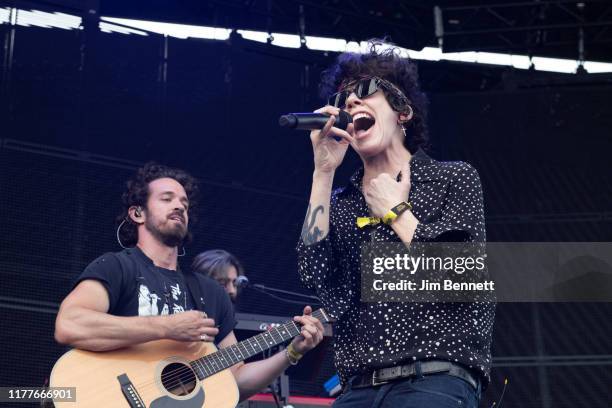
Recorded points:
(311, 332)
(179, 374)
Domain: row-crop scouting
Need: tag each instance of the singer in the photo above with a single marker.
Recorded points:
(391, 354)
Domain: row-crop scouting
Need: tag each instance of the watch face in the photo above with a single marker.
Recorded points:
(401, 207)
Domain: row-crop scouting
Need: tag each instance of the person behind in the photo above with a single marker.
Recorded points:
(391, 354)
(221, 266)
(139, 294)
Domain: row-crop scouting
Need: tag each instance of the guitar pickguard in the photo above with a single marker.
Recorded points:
(197, 401)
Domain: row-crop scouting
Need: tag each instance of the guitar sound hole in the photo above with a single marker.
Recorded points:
(179, 379)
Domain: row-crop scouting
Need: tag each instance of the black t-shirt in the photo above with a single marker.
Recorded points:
(136, 287)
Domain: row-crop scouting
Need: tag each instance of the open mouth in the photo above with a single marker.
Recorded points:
(362, 122)
(177, 218)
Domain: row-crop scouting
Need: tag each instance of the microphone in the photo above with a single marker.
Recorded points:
(241, 282)
(310, 121)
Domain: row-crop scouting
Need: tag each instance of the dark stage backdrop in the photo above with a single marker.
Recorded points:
(75, 122)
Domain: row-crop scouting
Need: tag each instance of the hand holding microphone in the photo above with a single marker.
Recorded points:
(328, 152)
(312, 121)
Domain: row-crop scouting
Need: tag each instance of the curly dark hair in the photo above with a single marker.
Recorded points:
(386, 64)
(137, 194)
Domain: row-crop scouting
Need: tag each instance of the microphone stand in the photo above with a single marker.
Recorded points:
(286, 292)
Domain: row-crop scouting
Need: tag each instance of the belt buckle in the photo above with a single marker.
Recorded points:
(375, 381)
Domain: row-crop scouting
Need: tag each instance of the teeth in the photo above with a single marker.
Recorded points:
(362, 115)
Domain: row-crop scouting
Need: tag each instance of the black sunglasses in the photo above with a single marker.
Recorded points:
(368, 86)
(362, 88)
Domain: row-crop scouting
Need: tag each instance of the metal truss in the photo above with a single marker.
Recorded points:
(557, 28)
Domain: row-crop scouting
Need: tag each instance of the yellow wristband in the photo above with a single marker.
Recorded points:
(389, 217)
(396, 212)
(292, 355)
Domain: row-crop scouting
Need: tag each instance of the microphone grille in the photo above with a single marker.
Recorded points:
(241, 281)
(289, 121)
(344, 118)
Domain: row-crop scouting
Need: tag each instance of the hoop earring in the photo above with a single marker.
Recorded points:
(183, 253)
(410, 112)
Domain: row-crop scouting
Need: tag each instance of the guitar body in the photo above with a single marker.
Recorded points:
(158, 372)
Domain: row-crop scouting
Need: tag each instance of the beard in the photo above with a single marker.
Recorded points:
(171, 235)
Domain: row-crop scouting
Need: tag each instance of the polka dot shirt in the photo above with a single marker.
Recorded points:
(447, 201)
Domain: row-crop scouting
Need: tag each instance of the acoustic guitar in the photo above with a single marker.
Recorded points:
(162, 373)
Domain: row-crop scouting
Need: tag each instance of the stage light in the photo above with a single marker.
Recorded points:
(427, 53)
(42, 19)
(5, 15)
(325, 44)
(140, 27)
(593, 67)
(182, 31)
(493, 58)
(112, 28)
(520, 61)
(286, 40)
(465, 56)
(352, 46)
(554, 64)
(259, 36)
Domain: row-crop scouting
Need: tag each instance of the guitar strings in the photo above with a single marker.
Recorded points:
(176, 374)
(172, 377)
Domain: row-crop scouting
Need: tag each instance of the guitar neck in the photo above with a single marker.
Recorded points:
(227, 357)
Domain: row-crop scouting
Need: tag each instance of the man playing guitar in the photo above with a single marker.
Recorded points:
(139, 295)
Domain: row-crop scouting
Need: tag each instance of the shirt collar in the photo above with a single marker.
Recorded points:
(137, 252)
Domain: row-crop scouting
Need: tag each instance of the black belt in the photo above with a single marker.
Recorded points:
(385, 375)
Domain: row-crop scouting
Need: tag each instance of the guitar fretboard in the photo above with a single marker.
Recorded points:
(227, 357)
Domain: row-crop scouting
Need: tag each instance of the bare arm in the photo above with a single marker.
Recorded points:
(316, 223)
(328, 154)
(253, 377)
(83, 322)
(405, 225)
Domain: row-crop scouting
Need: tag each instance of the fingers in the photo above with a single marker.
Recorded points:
(204, 329)
(381, 178)
(328, 109)
(206, 334)
(311, 327)
(328, 125)
(312, 334)
(307, 310)
(328, 130)
(346, 136)
(211, 331)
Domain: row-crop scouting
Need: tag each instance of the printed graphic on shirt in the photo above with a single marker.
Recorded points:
(150, 304)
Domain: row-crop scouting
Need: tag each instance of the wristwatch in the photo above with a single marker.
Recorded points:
(396, 212)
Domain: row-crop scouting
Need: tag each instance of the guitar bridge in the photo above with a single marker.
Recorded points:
(129, 392)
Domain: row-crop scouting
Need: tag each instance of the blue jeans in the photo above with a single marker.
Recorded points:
(429, 391)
